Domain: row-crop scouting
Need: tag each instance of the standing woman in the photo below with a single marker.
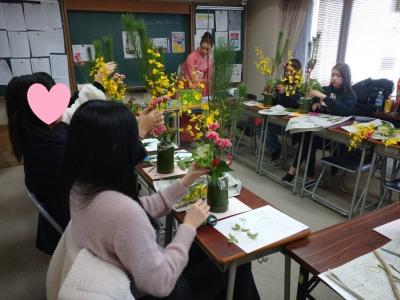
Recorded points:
(198, 66)
(338, 98)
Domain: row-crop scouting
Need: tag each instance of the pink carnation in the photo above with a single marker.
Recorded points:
(229, 159)
(159, 131)
(223, 143)
(213, 126)
(78, 59)
(212, 135)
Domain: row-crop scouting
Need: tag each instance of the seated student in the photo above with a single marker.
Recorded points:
(41, 146)
(337, 99)
(290, 101)
(110, 220)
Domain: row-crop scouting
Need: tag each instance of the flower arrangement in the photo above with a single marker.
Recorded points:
(82, 66)
(158, 83)
(385, 132)
(270, 67)
(292, 79)
(312, 51)
(113, 83)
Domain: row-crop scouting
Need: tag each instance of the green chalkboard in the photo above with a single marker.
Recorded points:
(88, 26)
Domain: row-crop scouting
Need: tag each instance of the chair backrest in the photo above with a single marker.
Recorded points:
(75, 273)
(43, 211)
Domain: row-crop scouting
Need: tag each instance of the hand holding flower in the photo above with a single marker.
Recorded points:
(315, 93)
(102, 73)
(193, 174)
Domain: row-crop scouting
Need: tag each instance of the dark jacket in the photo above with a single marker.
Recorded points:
(43, 157)
(288, 101)
(42, 161)
(338, 102)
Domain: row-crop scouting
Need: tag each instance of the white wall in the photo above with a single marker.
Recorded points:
(263, 25)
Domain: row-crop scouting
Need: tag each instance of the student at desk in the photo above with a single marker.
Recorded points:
(337, 99)
(110, 219)
(290, 101)
(41, 146)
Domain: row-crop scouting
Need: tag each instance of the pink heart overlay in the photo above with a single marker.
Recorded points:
(48, 106)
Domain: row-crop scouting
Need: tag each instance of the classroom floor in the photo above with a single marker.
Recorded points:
(23, 268)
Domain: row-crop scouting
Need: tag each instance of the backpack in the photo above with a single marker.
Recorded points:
(367, 91)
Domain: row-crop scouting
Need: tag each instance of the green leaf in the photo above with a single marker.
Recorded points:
(182, 165)
(236, 227)
(253, 236)
(232, 239)
(245, 230)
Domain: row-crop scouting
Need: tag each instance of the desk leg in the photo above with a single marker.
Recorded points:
(263, 146)
(303, 185)
(353, 200)
(169, 221)
(258, 153)
(286, 291)
(231, 281)
(302, 285)
(299, 163)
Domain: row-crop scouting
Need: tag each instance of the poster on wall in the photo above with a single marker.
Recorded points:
(178, 42)
(205, 21)
(234, 39)
(221, 20)
(129, 49)
(221, 38)
(236, 73)
(161, 43)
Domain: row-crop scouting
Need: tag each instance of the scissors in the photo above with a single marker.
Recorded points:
(211, 220)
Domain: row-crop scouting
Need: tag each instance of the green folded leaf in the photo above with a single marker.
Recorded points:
(236, 227)
(252, 235)
(232, 239)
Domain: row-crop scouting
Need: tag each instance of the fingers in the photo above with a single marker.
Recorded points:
(203, 207)
(111, 66)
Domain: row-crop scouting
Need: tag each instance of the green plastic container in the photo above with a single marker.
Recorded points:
(165, 159)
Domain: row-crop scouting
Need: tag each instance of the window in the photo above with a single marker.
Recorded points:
(374, 40)
(366, 31)
(327, 19)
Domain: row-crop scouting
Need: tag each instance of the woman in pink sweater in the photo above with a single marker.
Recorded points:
(109, 219)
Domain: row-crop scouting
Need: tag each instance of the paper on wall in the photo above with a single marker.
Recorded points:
(41, 64)
(236, 73)
(221, 20)
(221, 37)
(197, 40)
(14, 16)
(59, 66)
(270, 224)
(83, 51)
(52, 15)
(4, 45)
(205, 21)
(55, 40)
(5, 72)
(38, 42)
(34, 18)
(129, 48)
(235, 20)
(178, 42)
(19, 44)
(21, 66)
(161, 43)
(63, 80)
(234, 40)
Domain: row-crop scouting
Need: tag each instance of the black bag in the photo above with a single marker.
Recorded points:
(367, 91)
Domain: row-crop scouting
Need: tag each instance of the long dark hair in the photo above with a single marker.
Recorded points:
(22, 122)
(344, 70)
(102, 151)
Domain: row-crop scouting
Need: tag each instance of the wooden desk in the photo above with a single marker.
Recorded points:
(332, 247)
(229, 256)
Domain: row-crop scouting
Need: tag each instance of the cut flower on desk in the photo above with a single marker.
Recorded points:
(377, 130)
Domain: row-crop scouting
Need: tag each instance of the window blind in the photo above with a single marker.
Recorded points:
(374, 40)
(328, 22)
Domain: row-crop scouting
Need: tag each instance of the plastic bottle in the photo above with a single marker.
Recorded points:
(388, 105)
(379, 102)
